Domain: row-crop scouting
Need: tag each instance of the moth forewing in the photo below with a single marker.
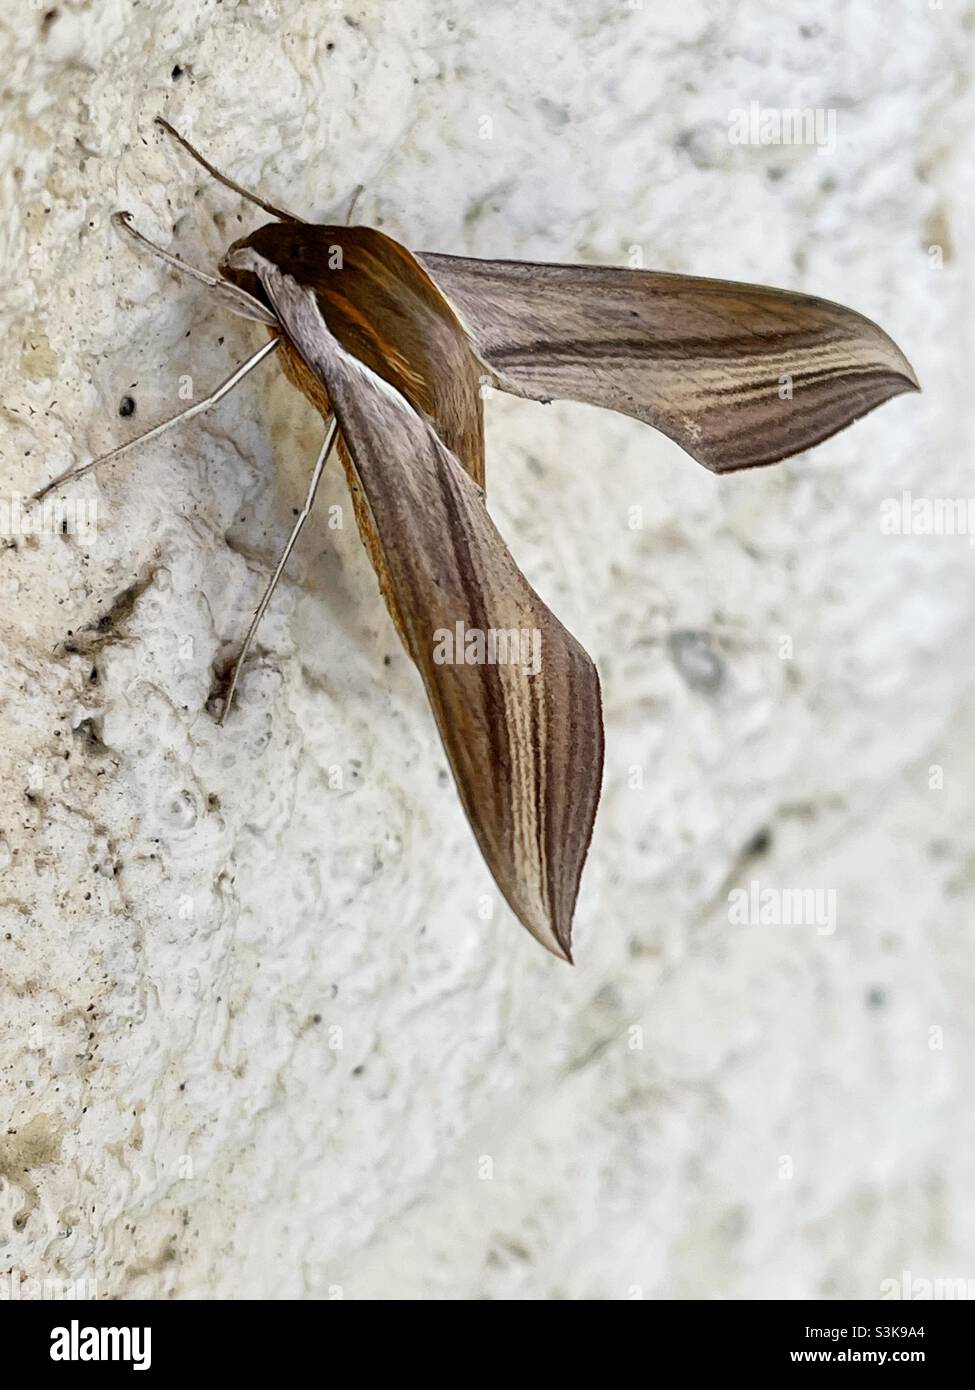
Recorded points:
(738, 375)
(525, 746)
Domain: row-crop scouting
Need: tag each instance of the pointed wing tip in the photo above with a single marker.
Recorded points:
(901, 374)
(556, 938)
(900, 381)
(559, 948)
(886, 357)
(896, 381)
(564, 951)
(550, 929)
(881, 351)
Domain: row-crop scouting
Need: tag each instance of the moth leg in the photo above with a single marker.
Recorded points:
(222, 390)
(228, 182)
(303, 515)
(236, 299)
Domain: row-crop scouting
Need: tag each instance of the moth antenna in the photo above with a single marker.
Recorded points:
(281, 213)
(237, 300)
(303, 515)
(222, 390)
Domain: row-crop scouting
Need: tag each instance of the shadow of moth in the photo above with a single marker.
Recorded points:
(391, 347)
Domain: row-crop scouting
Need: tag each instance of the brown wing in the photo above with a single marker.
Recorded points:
(524, 737)
(738, 375)
(383, 308)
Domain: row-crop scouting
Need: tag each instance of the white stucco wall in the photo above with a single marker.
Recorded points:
(257, 1039)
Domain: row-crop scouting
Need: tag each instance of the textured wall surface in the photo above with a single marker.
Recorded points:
(259, 1033)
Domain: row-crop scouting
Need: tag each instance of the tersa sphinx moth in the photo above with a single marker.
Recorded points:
(392, 348)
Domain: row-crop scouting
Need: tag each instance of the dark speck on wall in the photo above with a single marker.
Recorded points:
(760, 843)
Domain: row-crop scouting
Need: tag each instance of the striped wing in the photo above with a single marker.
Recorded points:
(526, 748)
(738, 375)
(383, 308)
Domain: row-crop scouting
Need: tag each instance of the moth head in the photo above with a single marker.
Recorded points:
(236, 265)
(304, 252)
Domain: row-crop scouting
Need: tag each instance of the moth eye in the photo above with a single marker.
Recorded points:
(126, 406)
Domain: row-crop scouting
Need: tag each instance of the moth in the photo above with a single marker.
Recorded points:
(392, 348)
